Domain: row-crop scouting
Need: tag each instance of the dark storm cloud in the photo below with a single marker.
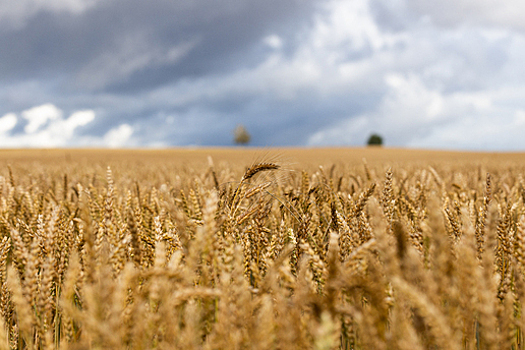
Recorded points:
(84, 50)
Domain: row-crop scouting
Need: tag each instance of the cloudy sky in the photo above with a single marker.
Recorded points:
(444, 74)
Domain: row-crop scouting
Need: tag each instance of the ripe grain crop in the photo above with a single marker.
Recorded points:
(144, 250)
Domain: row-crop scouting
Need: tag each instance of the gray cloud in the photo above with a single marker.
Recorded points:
(15, 15)
(132, 44)
(506, 14)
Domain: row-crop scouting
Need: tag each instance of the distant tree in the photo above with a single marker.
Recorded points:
(375, 140)
(241, 135)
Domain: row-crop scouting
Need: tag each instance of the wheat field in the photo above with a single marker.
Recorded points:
(261, 249)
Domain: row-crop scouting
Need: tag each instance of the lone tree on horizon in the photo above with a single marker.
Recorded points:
(241, 135)
(375, 140)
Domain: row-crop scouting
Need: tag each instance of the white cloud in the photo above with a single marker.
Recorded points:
(67, 127)
(81, 118)
(46, 127)
(519, 118)
(7, 123)
(17, 13)
(506, 14)
(348, 26)
(274, 41)
(38, 116)
(119, 136)
(49, 128)
(412, 114)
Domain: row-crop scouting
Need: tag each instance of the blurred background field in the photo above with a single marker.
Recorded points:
(291, 157)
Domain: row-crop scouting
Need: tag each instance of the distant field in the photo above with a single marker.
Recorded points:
(299, 157)
(364, 248)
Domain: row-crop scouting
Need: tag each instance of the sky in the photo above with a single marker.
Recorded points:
(444, 74)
